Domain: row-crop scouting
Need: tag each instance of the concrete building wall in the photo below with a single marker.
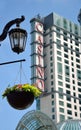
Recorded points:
(62, 69)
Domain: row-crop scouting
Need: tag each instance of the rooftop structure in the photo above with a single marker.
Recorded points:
(69, 125)
(36, 120)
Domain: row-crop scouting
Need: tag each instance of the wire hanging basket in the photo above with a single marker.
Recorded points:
(21, 96)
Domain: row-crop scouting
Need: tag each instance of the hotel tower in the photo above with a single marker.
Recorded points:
(56, 65)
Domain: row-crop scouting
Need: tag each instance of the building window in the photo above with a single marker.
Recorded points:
(59, 53)
(65, 47)
(73, 76)
(60, 90)
(58, 22)
(51, 70)
(76, 43)
(58, 29)
(52, 96)
(58, 35)
(72, 63)
(52, 89)
(66, 61)
(76, 30)
(51, 64)
(67, 79)
(69, 105)
(65, 44)
(51, 58)
(69, 112)
(61, 96)
(77, 60)
(78, 66)
(38, 104)
(79, 89)
(61, 110)
(65, 36)
(60, 77)
(58, 32)
(67, 85)
(65, 55)
(52, 102)
(61, 103)
(60, 83)
(51, 52)
(72, 52)
(59, 67)
(75, 113)
(76, 38)
(72, 69)
(52, 83)
(80, 102)
(80, 108)
(67, 92)
(74, 100)
(59, 58)
(53, 117)
(68, 98)
(50, 41)
(73, 87)
(53, 110)
(79, 74)
(73, 81)
(51, 76)
(77, 54)
(58, 41)
(70, 38)
(67, 72)
(71, 58)
(65, 23)
(79, 96)
(70, 27)
(71, 47)
(62, 117)
(51, 47)
(80, 114)
(74, 94)
(69, 117)
(75, 107)
(58, 44)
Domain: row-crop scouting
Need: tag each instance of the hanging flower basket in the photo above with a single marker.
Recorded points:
(21, 96)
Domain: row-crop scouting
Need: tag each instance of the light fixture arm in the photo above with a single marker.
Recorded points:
(16, 21)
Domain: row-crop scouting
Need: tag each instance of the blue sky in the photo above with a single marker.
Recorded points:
(11, 9)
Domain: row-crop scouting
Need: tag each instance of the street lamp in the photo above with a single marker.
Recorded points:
(17, 35)
(19, 96)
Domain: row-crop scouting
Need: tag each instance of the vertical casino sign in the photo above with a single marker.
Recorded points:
(37, 54)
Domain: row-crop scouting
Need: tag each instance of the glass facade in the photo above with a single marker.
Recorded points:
(69, 125)
(36, 120)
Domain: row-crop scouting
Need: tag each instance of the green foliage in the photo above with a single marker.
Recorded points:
(25, 87)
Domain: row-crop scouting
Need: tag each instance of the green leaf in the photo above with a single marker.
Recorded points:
(25, 87)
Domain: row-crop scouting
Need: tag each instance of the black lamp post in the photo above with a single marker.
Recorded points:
(17, 36)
